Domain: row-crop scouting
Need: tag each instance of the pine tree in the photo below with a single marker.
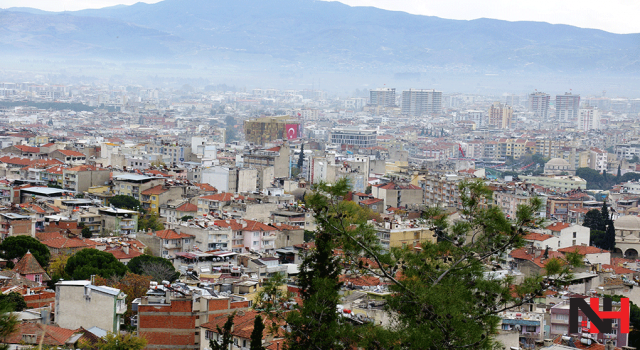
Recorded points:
(619, 171)
(605, 212)
(224, 335)
(256, 334)
(610, 237)
(301, 158)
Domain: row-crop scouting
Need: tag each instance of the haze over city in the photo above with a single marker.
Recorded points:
(300, 174)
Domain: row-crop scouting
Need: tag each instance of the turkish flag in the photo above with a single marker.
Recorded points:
(292, 131)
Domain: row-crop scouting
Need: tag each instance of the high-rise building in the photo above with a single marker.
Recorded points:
(418, 102)
(385, 97)
(567, 107)
(589, 119)
(360, 137)
(512, 100)
(539, 105)
(500, 115)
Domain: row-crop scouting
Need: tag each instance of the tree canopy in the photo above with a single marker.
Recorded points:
(602, 181)
(441, 295)
(125, 202)
(16, 300)
(89, 262)
(159, 269)
(15, 247)
(152, 221)
(119, 341)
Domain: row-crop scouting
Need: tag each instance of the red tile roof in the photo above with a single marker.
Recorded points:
(171, 234)
(155, 190)
(583, 250)
(119, 253)
(371, 201)
(207, 187)
(29, 149)
(618, 270)
(222, 197)
(537, 237)
(28, 265)
(361, 280)
(53, 336)
(187, 207)
(70, 153)
(558, 226)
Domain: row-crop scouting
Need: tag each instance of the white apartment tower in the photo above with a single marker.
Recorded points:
(589, 119)
(418, 102)
(567, 107)
(539, 105)
(385, 97)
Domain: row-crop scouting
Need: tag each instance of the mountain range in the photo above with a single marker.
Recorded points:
(319, 35)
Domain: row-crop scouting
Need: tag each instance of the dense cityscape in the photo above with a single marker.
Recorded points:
(144, 208)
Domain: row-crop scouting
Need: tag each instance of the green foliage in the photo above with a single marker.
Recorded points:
(610, 237)
(256, 334)
(86, 232)
(441, 296)
(89, 262)
(160, 269)
(301, 157)
(225, 335)
(367, 190)
(8, 322)
(309, 235)
(593, 220)
(16, 300)
(598, 181)
(150, 222)
(15, 247)
(186, 218)
(52, 185)
(119, 341)
(125, 202)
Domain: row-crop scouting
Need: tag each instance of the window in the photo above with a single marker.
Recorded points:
(244, 343)
(574, 235)
(558, 244)
(153, 198)
(38, 278)
(506, 327)
(256, 234)
(256, 242)
(562, 317)
(235, 341)
(165, 252)
(574, 242)
(531, 329)
(208, 335)
(186, 241)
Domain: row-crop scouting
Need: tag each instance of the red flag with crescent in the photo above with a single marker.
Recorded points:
(292, 131)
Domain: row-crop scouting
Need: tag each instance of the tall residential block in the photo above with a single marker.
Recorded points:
(539, 105)
(589, 119)
(418, 102)
(567, 107)
(500, 115)
(384, 97)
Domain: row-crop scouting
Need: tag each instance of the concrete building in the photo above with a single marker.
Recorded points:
(568, 235)
(80, 178)
(69, 156)
(119, 221)
(359, 137)
(152, 198)
(561, 183)
(397, 196)
(500, 115)
(539, 105)
(589, 119)
(567, 107)
(166, 243)
(384, 97)
(268, 129)
(396, 234)
(133, 184)
(419, 102)
(81, 304)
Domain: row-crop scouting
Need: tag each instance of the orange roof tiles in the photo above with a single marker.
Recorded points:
(171, 234)
(207, 187)
(371, 201)
(187, 207)
(537, 237)
(25, 148)
(222, 197)
(70, 153)
(120, 254)
(155, 190)
(583, 250)
(558, 226)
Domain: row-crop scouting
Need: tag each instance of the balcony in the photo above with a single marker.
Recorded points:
(121, 307)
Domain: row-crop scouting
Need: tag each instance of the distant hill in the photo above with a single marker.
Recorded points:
(307, 33)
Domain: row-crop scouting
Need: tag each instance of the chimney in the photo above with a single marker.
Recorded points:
(125, 249)
(537, 253)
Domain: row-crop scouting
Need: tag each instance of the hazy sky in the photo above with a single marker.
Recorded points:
(618, 16)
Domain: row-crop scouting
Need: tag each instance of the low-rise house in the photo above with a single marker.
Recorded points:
(569, 234)
(12, 224)
(81, 304)
(29, 335)
(29, 268)
(175, 211)
(241, 332)
(593, 255)
(166, 243)
(69, 156)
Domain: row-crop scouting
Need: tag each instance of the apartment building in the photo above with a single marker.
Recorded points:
(80, 178)
(133, 184)
(419, 102)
